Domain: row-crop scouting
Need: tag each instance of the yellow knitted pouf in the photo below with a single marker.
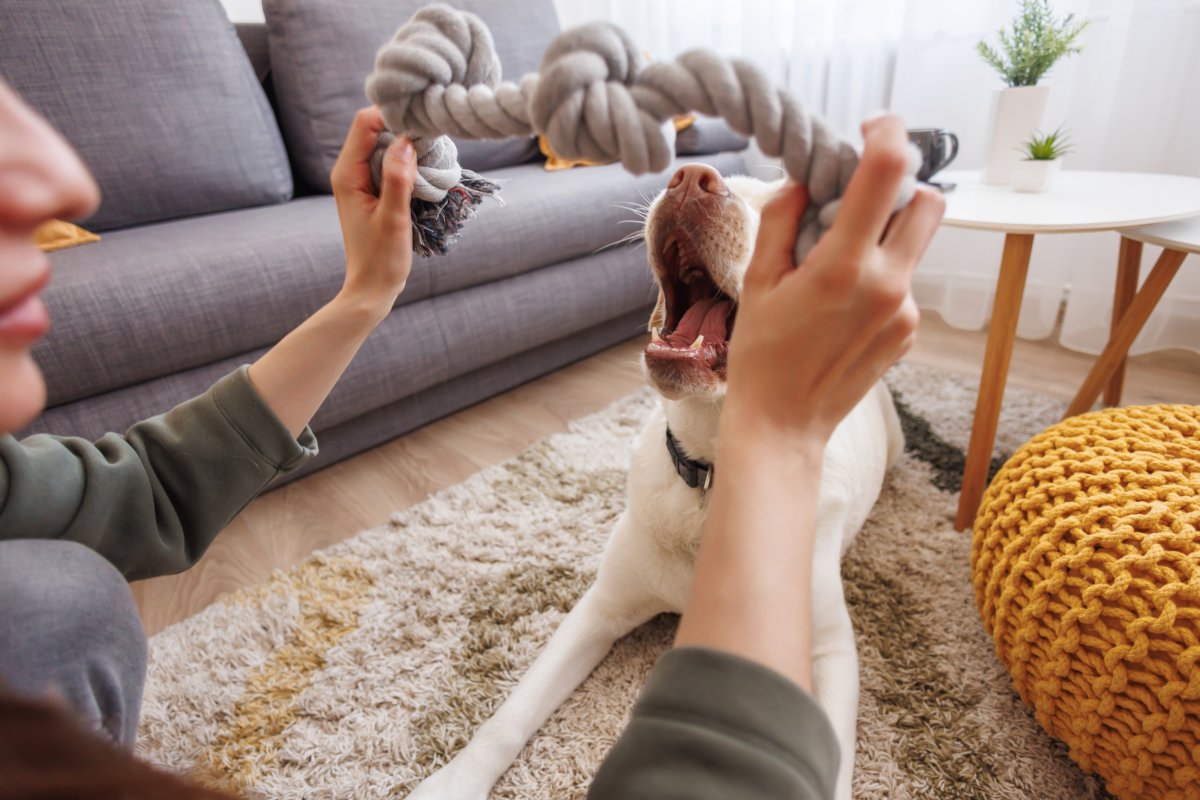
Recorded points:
(1086, 559)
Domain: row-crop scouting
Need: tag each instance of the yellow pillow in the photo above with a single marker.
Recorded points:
(684, 121)
(59, 235)
(554, 162)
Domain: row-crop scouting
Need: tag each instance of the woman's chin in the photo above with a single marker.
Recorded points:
(22, 390)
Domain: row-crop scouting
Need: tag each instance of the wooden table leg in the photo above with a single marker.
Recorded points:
(1129, 264)
(1014, 265)
(1127, 330)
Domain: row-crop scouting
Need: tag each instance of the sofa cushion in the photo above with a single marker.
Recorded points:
(708, 135)
(156, 95)
(152, 300)
(548, 217)
(253, 36)
(322, 52)
(418, 347)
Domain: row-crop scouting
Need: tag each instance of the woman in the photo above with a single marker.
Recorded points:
(77, 519)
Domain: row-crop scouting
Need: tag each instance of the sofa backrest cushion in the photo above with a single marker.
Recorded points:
(157, 96)
(322, 52)
(253, 36)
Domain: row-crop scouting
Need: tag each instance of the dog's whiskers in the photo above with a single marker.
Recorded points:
(632, 237)
(641, 211)
(642, 214)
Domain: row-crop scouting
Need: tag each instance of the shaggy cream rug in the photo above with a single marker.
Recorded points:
(360, 671)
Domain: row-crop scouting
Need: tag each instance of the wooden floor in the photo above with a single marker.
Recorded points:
(283, 527)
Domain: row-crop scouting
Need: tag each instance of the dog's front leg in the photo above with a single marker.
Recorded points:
(835, 662)
(611, 608)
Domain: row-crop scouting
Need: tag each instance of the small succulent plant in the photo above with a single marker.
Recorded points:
(1046, 147)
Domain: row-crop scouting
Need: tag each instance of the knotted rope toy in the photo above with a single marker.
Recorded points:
(592, 97)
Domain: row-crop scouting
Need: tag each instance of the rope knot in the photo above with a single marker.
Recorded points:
(423, 82)
(583, 103)
(439, 48)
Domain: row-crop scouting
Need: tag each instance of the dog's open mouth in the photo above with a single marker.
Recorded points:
(699, 315)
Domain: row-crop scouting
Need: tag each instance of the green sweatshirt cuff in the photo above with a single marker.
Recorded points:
(248, 414)
(748, 700)
(712, 726)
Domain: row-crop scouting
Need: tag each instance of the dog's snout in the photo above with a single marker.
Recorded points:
(697, 179)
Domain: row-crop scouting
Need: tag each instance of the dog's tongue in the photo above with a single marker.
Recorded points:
(707, 318)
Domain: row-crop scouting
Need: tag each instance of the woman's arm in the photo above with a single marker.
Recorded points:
(811, 341)
(152, 500)
(295, 376)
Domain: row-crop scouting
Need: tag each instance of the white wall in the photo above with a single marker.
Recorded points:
(244, 10)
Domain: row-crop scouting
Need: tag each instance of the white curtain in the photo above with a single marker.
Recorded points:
(1131, 102)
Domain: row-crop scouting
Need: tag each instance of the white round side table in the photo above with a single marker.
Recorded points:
(1076, 201)
(1133, 306)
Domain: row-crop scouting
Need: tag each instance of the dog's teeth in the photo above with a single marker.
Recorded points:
(696, 345)
(655, 334)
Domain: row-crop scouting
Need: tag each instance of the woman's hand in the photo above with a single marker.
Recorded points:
(813, 339)
(377, 231)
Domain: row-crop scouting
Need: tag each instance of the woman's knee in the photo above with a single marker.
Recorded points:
(71, 629)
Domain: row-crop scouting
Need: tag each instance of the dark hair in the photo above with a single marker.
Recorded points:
(47, 755)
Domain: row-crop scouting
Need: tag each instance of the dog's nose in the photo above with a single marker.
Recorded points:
(698, 180)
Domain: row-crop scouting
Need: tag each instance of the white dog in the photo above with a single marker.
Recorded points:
(700, 234)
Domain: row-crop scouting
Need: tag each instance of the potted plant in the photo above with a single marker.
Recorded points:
(1043, 158)
(1035, 41)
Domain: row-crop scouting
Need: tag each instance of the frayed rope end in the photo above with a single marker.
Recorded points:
(435, 226)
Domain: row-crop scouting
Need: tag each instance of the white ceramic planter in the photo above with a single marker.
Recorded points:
(1016, 114)
(1030, 175)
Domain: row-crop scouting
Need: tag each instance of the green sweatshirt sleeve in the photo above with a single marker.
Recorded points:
(714, 726)
(150, 501)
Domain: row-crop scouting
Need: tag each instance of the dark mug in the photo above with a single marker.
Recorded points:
(938, 148)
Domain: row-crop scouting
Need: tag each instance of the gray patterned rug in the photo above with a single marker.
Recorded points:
(360, 671)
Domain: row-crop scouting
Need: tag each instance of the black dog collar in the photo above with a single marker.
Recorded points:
(696, 474)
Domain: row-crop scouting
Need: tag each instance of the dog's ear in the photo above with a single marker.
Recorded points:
(659, 317)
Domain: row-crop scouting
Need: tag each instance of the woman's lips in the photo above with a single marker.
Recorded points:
(25, 319)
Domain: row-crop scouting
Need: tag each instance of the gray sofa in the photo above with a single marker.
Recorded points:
(212, 149)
